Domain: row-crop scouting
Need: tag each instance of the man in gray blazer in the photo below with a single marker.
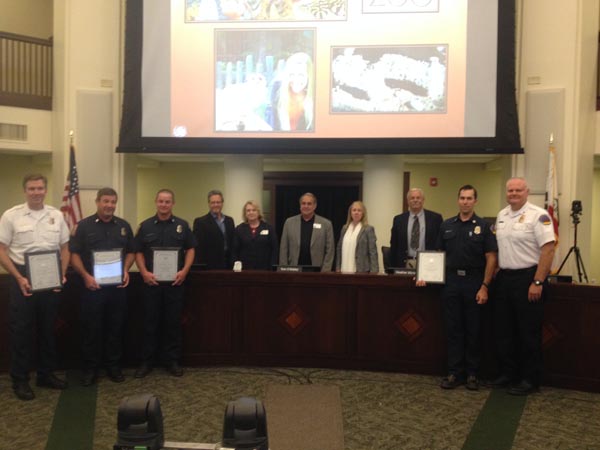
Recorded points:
(307, 239)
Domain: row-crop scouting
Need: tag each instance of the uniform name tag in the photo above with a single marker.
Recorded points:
(264, 232)
(317, 226)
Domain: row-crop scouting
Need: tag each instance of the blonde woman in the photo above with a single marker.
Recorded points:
(293, 103)
(255, 243)
(357, 247)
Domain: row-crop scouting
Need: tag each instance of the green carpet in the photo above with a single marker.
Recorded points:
(380, 411)
(497, 422)
(73, 424)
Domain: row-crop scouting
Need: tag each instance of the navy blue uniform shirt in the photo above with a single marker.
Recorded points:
(154, 233)
(94, 234)
(466, 243)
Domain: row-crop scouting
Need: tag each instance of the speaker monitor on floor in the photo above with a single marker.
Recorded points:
(140, 423)
(140, 426)
(245, 425)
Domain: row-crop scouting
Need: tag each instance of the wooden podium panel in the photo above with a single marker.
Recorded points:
(369, 322)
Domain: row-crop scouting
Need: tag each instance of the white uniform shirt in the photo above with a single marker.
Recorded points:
(521, 235)
(24, 230)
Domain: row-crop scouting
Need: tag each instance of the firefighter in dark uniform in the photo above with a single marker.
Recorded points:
(526, 241)
(163, 300)
(471, 256)
(103, 308)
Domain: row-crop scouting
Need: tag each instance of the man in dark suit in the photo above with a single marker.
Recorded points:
(417, 229)
(214, 233)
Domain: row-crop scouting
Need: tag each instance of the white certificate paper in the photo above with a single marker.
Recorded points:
(108, 267)
(431, 267)
(164, 263)
(43, 270)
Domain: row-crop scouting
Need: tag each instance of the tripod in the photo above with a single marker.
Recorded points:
(574, 249)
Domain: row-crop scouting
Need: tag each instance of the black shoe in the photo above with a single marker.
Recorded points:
(115, 375)
(22, 390)
(88, 377)
(51, 381)
(175, 369)
(499, 382)
(143, 370)
(472, 383)
(523, 388)
(451, 382)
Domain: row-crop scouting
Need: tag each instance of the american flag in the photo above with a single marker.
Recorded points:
(71, 206)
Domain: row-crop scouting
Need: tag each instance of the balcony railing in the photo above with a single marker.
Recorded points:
(25, 71)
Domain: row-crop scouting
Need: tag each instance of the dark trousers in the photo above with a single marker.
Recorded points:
(462, 315)
(518, 326)
(103, 314)
(29, 317)
(162, 323)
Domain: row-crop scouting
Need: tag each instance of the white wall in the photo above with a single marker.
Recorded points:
(27, 17)
(39, 129)
(558, 45)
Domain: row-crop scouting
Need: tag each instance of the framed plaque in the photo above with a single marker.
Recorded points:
(108, 267)
(431, 267)
(164, 263)
(43, 270)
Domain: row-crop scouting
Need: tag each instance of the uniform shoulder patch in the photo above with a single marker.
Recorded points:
(545, 219)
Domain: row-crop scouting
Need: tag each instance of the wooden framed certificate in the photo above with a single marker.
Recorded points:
(164, 263)
(431, 267)
(108, 267)
(43, 270)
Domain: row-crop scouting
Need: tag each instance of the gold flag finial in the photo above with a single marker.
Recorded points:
(551, 138)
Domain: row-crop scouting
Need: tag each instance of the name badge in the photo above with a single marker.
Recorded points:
(317, 226)
(264, 232)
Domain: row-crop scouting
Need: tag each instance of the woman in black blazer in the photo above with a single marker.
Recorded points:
(255, 243)
(357, 247)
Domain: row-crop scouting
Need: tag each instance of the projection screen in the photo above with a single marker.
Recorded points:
(319, 76)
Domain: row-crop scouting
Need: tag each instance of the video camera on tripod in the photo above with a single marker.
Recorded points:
(576, 211)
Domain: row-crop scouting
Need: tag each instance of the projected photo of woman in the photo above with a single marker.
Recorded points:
(264, 80)
(292, 99)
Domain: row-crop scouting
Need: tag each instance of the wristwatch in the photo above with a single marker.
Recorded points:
(538, 282)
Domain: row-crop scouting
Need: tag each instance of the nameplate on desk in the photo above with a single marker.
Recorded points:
(402, 271)
(284, 268)
(289, 268)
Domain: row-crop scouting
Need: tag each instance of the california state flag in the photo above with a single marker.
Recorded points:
(551, 201)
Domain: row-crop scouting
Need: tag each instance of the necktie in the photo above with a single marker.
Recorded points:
(415, 234)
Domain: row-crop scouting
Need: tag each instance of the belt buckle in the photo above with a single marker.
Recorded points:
(461, 273)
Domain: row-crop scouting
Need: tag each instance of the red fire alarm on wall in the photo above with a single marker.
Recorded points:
(433, 181)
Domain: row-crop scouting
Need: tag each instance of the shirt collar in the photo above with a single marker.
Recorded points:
(520, 211)
(98, 220)
(169, 220)
(29, 211)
